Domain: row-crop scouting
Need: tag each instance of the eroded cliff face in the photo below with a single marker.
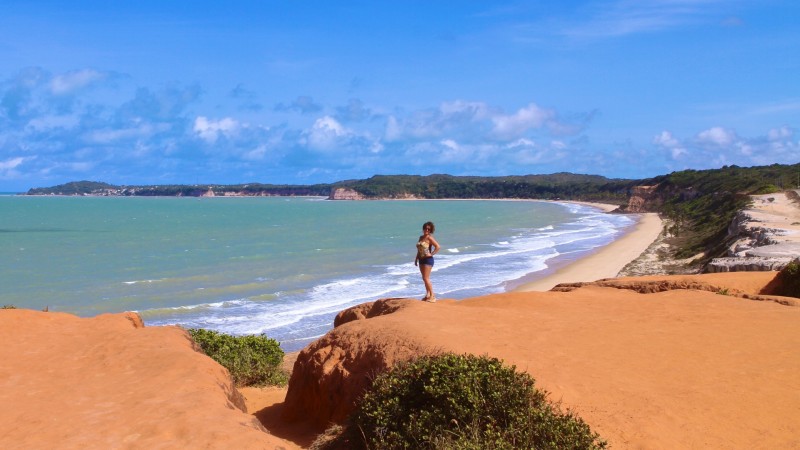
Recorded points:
(332, 373)
(651, 198)
(643, 199)
(345, 194)
(764, 237)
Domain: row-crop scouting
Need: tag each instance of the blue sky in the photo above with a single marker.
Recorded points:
(154, 92)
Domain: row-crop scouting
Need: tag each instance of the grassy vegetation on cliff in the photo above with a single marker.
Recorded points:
(546, 187)
(454, 401)
(702, 203)
(251, 360)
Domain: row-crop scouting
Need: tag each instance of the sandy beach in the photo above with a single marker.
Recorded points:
(607, 261)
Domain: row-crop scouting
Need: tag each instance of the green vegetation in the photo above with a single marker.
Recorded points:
(459, 402)
(8, 307)
(546, 187)
(789, 280)
(702, 203)
(251, 360)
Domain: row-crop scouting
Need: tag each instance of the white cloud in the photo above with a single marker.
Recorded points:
(449, 143)
(11, 163)
(666, 140)
(71, 81)
(325, 133)
(521, 142)
(210, 130)
(780, 134)
(513, 126)
(717, 136)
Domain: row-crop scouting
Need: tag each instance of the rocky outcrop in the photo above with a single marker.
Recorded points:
(763, 237)
(643, 199)
(110, 382)
(651, 198)
(346, 194)
(747, 264)
(332, 373)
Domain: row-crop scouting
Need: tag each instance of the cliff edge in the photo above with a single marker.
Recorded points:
(666, 362)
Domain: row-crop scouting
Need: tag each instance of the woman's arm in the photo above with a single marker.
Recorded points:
(434, 244)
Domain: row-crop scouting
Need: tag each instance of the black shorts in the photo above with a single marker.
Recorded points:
(427, 261)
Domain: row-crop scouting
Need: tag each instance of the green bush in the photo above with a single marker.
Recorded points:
(252, 360)
(8, 307)
(461, 402)
(789, 279)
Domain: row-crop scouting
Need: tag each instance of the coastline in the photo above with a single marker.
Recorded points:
(607, 261)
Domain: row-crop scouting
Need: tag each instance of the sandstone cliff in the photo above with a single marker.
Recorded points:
(646, 362)
(345, 194)
(765, 236)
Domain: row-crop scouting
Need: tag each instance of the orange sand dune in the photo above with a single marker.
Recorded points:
(106, 382)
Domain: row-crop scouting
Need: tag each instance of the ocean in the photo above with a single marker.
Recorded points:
(280, 266)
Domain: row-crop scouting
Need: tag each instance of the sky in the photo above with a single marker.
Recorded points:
(303, 92)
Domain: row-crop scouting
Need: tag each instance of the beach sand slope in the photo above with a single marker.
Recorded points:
(108, 382)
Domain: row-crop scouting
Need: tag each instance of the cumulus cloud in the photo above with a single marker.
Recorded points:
(717, 146)
(716, 136)
(780, 134)
(211, 130)
(517, 124)
(325, 133)
(666, 140)
(475, 122)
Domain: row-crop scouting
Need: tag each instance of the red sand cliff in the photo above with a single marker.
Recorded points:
(651, 362)
(108, 382)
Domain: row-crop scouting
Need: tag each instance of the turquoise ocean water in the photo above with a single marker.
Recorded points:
(280, 266)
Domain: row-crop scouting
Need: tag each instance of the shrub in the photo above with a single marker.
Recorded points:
(252, 360)
(8, 307)
(789, 280)
(461, 402)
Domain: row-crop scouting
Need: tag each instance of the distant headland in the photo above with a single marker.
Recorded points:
(697, 206)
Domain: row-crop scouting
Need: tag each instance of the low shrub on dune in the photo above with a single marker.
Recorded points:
(252, 360)
(789, 280)
(461, 402)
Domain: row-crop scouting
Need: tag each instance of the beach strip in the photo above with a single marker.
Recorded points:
(607, 261)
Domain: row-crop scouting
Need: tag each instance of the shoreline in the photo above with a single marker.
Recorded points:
(605, 262)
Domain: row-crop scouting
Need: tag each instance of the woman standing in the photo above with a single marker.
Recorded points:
(426, 248)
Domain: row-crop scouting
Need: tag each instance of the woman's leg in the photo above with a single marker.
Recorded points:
(425, 270)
